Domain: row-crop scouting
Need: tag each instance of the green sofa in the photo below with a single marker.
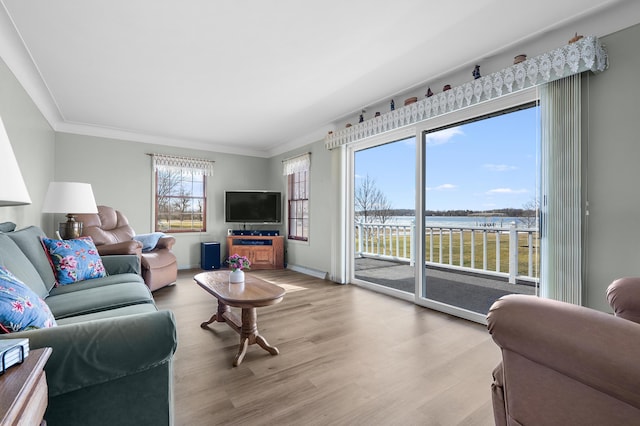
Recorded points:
(112, 348)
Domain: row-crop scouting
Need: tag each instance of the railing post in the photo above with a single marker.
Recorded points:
(412, 244)
(461, 247)
(359, 228)
(450, 246)
(513, 253)
(485, 247)
(530, 262)
(473, 249)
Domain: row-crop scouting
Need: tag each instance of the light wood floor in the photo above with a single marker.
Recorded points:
(348, 356)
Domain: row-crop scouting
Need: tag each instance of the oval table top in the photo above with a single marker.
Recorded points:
(253, 293)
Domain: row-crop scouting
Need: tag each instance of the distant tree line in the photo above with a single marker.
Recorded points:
(507, 212)
(372, 205)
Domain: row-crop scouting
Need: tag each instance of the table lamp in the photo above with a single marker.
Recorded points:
(71, 198)
(13, 191)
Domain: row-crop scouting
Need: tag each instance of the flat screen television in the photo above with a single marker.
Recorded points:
(253, 206)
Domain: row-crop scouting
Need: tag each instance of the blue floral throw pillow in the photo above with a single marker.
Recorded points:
(20, 308)
(74, 260)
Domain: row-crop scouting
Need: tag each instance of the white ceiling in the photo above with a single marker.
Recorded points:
(253, 77)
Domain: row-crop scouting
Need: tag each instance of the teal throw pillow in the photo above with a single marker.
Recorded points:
(74, 260)
(20, 308)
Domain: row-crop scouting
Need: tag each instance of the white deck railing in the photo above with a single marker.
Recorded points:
(395, 242)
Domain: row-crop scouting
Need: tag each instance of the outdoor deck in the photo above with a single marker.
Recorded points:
(474, 292)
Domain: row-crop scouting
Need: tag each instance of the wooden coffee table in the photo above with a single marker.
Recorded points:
(248, 296)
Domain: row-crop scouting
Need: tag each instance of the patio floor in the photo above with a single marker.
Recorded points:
(474, 292)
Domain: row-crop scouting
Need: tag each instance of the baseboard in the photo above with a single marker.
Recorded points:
(308, 271)
(188, 267)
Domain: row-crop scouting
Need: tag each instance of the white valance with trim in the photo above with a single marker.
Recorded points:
(296, 164)
(587, 54)
(194, 166)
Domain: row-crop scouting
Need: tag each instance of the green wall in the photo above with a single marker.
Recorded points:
(314, 255)
(120, 173)
(613, 149)
(33, 143)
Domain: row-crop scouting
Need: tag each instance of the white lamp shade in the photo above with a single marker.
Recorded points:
(69, 197)
(13, 191)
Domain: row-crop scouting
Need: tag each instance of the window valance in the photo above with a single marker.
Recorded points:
(587, 54)
(193, 166)
(296, 164)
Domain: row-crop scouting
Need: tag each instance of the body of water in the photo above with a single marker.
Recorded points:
(466, 221)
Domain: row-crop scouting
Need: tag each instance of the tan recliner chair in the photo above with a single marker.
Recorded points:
(112, 234)
(564, 364)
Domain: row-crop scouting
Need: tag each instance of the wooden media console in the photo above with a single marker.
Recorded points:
(264, 252)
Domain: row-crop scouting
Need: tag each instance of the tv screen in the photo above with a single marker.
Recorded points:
(253, 206)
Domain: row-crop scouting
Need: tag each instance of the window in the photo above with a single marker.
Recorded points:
(180, 194)
(298, 203)
(296, 169)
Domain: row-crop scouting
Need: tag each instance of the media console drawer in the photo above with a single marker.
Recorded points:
(252, 242)
(264, 252)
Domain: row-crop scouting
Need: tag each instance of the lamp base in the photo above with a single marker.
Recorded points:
(70, 230)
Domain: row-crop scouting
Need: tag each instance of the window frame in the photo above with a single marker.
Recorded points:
(293, 189)
(184, 172)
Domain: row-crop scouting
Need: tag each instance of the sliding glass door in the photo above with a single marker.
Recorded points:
(480, 219)
(447, 214)
(384, 216)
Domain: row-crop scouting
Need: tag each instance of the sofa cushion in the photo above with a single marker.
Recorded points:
(12, 258)
(29, 241)
(97, 282)
(98, 299)
(140, 308)
(20, 308)
(74, 260)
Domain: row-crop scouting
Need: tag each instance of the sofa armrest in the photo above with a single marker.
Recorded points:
(165, 242)
(95, 352)
(589, 346)
(124, 247)
(121, 264)
(624, 297)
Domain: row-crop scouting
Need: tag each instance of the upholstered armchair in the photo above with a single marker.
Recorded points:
(112, 234)
(564, 364)
(624, 297)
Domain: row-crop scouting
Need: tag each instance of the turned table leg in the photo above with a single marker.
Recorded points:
(218, 316)
(249, 335)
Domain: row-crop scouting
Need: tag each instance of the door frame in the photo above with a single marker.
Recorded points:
(418, 131)
(478, 110)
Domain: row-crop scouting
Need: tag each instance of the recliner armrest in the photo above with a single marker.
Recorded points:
(124, 247)
(624, 297)
(165, 242)
(589, 346)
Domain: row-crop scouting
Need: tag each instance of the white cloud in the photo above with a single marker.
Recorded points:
(506, 191)
(443, 187)
(442, 136)
(499, 167)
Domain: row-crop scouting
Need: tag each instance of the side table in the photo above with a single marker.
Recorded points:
(23, 391)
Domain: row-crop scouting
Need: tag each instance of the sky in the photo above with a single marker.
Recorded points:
(484, 165)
